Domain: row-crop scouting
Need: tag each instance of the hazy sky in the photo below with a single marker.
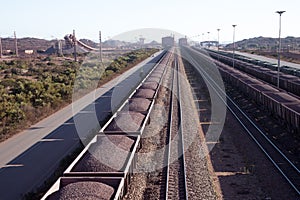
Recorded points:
(56, 18)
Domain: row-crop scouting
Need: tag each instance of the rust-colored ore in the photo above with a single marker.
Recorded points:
(108, 154)
(264, 88)
(129, 121)
(137, 104)
(89, 190)
(282, 97)
(153, 79)
(149, 85)
(144, 93)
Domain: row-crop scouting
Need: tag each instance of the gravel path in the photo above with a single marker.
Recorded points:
(199, 174)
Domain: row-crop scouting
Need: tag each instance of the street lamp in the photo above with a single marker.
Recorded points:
(208, 40)
(218, 38)
(279, 46)
(218, 43)
(233, 45)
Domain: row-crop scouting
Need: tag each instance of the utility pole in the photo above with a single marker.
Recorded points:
(16, 44)
(0, 48)
(59, 48)
(75, 43)
(100, 46)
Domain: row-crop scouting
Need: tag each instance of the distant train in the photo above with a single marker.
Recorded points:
(280, 104)
(289, 77)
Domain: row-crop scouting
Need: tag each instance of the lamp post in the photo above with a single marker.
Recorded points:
(279, 46)
(218, 43)
(218, 38)
(233, 45)
(208, 39)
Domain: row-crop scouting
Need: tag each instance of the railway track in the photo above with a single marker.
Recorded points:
(280, 135)
(175, 171)
(280, 161)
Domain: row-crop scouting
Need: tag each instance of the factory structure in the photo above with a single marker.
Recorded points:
(183, 41)
(167, 41)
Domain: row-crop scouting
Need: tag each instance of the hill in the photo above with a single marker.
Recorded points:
(267, 43)
(26, 44)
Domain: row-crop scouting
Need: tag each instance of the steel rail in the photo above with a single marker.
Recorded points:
(181, 159)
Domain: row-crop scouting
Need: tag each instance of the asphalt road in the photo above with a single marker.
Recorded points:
(30, 157)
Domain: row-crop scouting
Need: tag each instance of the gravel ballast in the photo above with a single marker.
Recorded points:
(156, 74)
(198, 167)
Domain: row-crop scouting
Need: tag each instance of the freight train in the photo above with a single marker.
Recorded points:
(104, 168)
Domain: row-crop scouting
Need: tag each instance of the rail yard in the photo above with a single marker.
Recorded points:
(186, 123)
(136, 156)
(150, 100)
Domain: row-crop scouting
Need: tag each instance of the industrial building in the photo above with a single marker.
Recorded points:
(183, 41)
(167, 41)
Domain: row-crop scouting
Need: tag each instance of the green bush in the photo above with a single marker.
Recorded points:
(25, 100)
